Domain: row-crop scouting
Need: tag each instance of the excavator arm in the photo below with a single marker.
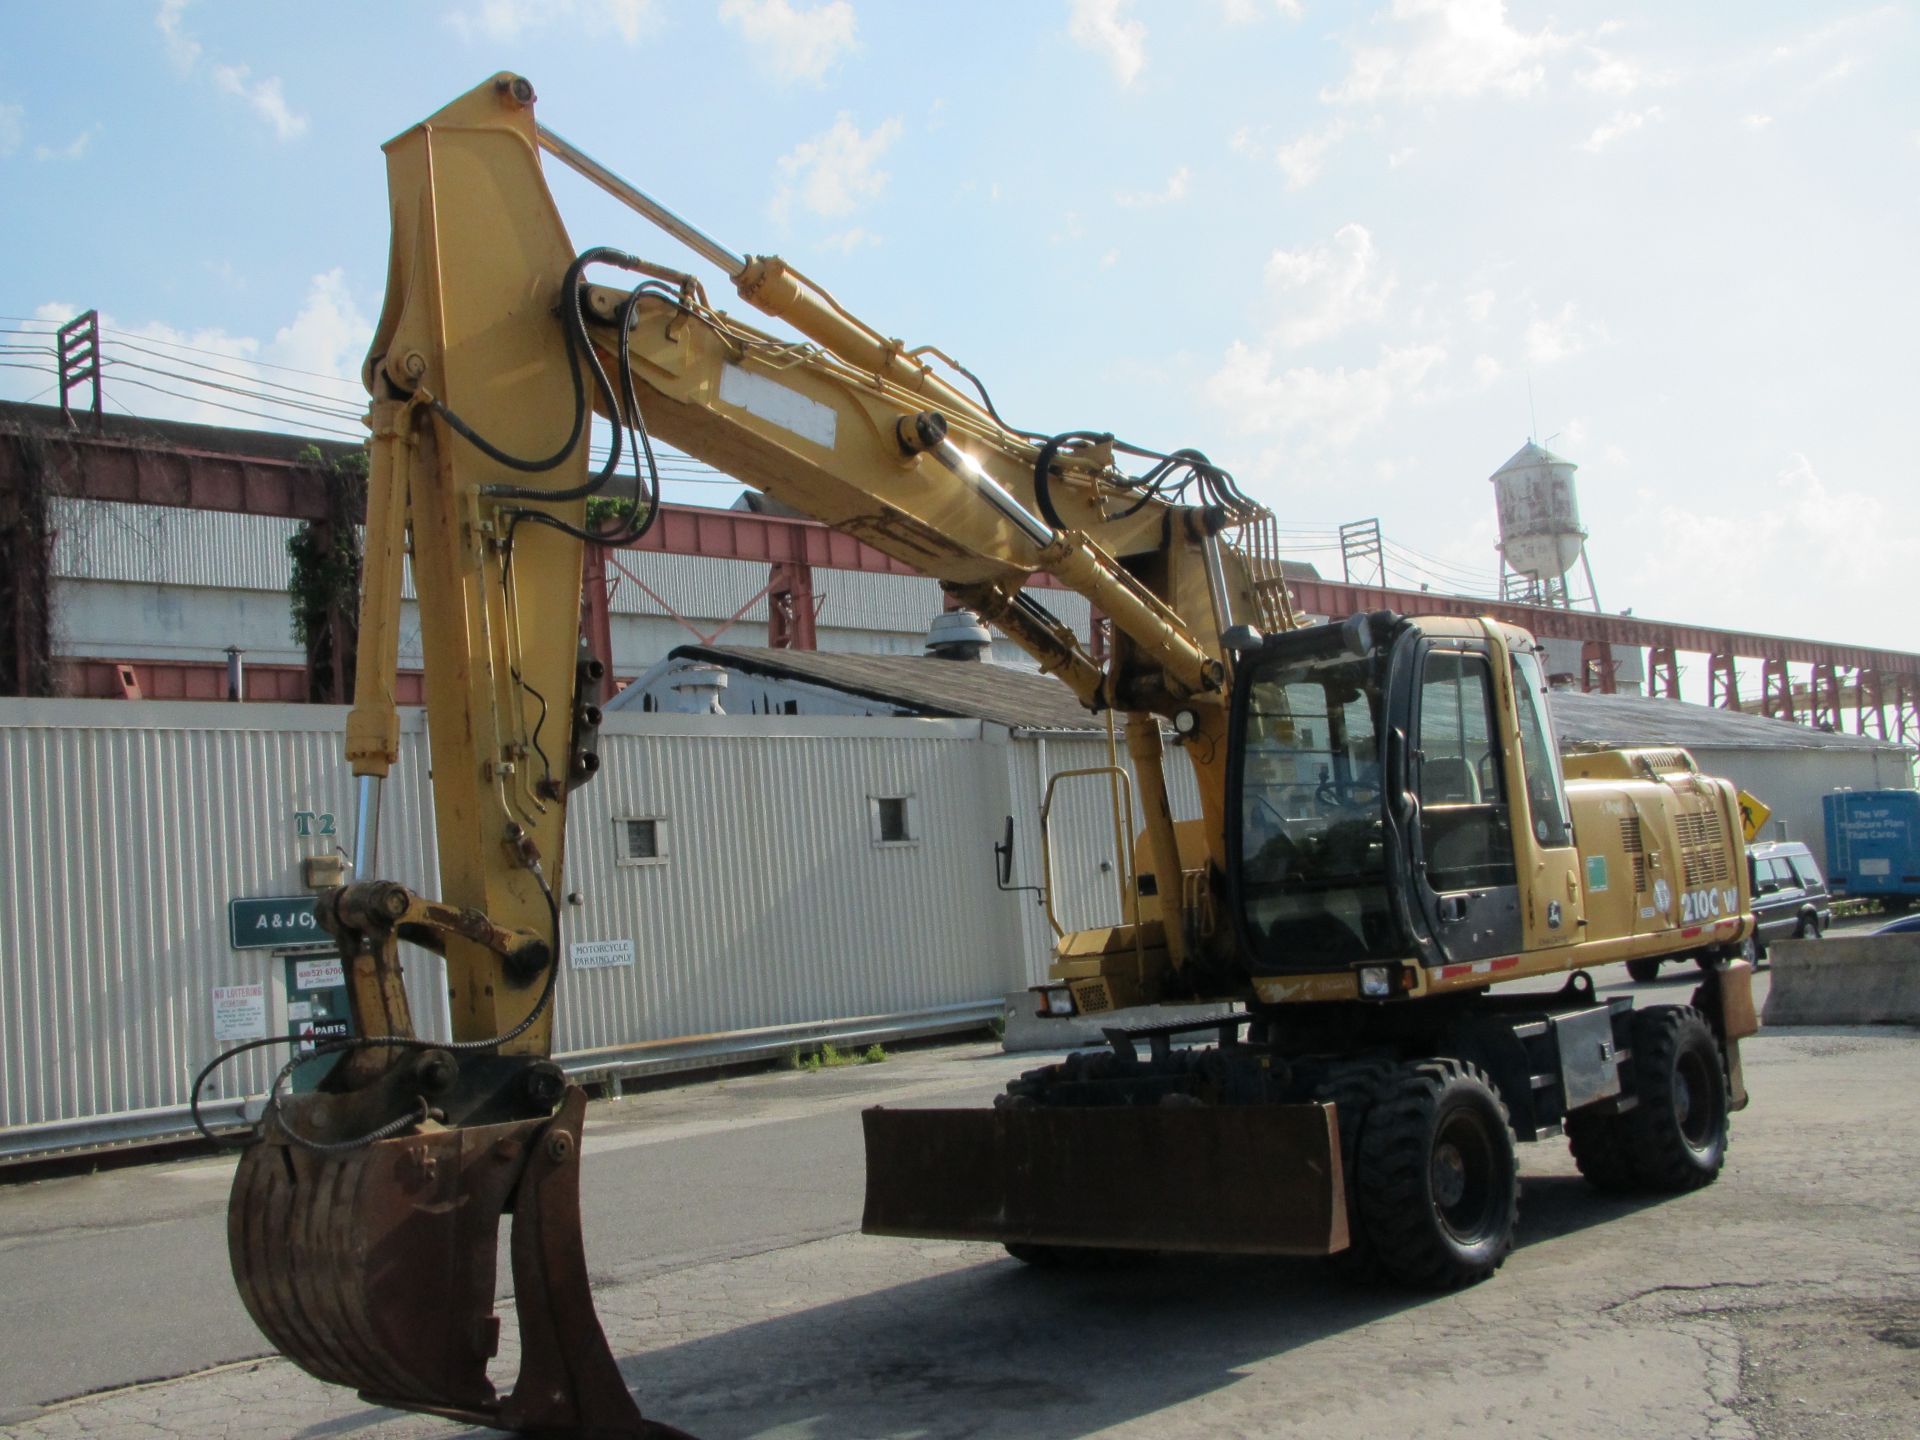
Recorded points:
(363, 1221)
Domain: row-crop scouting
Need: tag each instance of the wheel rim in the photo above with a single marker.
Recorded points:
(1461, 1174)
(1693, 1107)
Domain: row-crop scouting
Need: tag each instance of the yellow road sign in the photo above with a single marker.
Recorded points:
(1753, 815)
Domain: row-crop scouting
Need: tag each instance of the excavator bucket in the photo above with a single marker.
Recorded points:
(1250, 1180)
(374, 1268)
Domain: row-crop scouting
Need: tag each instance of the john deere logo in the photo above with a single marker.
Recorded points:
(1553, 914)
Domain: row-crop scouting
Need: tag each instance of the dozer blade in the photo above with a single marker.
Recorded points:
(1251, 1180)
(374, 1268)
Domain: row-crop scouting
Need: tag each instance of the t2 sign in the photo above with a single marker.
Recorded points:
(267, 922)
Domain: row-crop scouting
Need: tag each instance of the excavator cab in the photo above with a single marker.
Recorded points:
(1390, 781)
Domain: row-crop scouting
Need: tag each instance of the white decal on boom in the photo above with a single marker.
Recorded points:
(777, 405)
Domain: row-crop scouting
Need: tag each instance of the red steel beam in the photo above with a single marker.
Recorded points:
(1333, 597)
(160, 467)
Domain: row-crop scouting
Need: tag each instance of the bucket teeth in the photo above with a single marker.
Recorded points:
(374, 1269)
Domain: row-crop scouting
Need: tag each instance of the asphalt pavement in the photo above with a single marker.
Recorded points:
(722, 1221)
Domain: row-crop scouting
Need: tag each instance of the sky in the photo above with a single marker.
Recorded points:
(1357, 253)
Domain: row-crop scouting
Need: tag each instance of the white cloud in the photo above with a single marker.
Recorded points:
(13, 127)
(1325, 407)
(1246, 141)
(72, 150)
(182, 49)
(1172, 192)
(795, 44)
(1451, 49)
(849, 240)
(1561, 336)
(1622, 124)
(837, 171)
(1325, 289)
(329, 336)
(1402, 156)
(324, 342)
(504, 21)
(1797, 524)
(1479, 305)
(1486, 370)
(1756, 121)
(1102, 27)
(1246, 12)
(264, 97)
(1301, 160)
(1612, 75)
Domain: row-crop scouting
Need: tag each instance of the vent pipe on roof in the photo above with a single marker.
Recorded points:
(958, 635)
(697, 689)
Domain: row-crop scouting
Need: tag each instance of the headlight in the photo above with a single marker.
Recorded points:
(1376, 981)
(1056, 1002)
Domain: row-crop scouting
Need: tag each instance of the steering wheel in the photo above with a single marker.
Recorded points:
(1347, 794)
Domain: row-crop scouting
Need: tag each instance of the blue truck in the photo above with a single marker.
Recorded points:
(1873, 845)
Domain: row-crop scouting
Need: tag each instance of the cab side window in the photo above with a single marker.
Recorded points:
(1545, 799)
(1463, 831)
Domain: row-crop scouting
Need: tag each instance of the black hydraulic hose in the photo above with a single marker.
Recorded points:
(1043, 471)
(574, 329)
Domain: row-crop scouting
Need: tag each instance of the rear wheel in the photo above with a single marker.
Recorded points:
(1603, 1150)
(1643, 970)
(1439, 1188)
(1678, 1130)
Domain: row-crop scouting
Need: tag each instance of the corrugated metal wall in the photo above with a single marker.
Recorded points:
(106, 540)
(125, 829)
(774, 905)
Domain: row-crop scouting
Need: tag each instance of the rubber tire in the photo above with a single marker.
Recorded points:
(1677, 1068)
(1809, 929)
(1421, 1106)
(1351, 1089)
(1603, 1150)
(1643, 970)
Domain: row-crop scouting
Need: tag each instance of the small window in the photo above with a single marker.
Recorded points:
(893, 819)
(642, 840)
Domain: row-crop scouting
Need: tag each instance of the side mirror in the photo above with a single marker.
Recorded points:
(1003, 865)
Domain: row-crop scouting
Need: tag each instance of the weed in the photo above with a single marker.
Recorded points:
(831, 1057)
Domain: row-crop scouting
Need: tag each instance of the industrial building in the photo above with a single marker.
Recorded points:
(788, 785)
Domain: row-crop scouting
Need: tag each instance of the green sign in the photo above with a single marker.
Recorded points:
(267, 922)
(1596, 874)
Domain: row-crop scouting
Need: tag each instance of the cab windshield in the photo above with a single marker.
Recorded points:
(1312, 841)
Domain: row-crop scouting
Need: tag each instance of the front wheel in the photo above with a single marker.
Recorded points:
(1643, 970)
(1678, 1132)
(1439, 1188)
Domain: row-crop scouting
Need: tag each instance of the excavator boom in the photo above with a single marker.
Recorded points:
(363, 1219)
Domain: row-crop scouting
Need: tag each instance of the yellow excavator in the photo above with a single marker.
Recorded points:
(1386, 834)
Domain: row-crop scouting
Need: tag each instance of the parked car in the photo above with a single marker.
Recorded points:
(1906, 924)
(1790, 901)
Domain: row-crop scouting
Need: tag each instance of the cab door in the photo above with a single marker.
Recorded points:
(1552, 900)
(1463, 840)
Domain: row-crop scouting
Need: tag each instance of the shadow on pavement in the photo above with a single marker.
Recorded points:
(999, 1350)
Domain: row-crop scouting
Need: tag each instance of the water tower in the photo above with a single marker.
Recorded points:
(1541, 537)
